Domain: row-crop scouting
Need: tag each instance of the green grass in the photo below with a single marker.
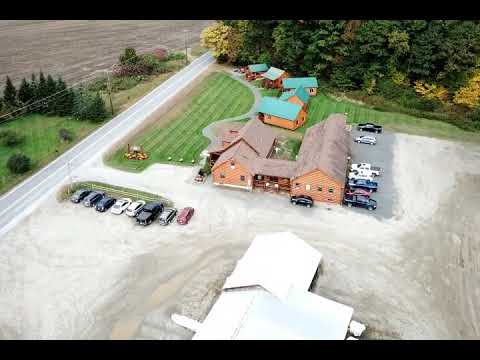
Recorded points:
(323, 105)
(217, 97)
(113, 191)
(41, 144)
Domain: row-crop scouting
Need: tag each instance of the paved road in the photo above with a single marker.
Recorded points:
(24, 197)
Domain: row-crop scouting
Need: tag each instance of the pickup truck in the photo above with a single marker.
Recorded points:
(375, 170)
(369, 127)
(361, 174)
(360, 201)
(368, 185)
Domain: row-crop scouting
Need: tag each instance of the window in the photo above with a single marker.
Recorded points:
(307, 187)
(320, 189)
(259, 177)
(311, 90)
(274, 178)
(242, 178)
(330, 190)
(232, 164)
(297, 185)
(222, 175)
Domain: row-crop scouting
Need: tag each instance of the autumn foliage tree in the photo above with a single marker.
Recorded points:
(225, 41)
(469, 95)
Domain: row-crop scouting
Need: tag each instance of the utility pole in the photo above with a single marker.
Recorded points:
(109, 89)
(186, 53)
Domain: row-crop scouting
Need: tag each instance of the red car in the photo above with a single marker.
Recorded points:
(185, 215)
(361, 192)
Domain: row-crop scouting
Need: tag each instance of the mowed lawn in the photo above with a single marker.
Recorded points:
(217, 97)
(323, 105)
(41, 143)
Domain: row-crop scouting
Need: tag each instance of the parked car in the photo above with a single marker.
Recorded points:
(93, 198)
(167, 216)
(121, 205)
(369, 127)
(375, 170)
(200, 178)
(185, 215)
(350, 192)
(366, 139)
(79, 195)
(360, 175)
(367, 185)
(134, 208)
(105, 204)
(303, 200)
(149, 213)
(360, 201)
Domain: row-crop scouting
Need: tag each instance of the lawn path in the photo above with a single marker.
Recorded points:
(208, 130)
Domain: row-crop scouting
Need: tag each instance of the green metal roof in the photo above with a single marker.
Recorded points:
(276, 107)
(273, 73)
(300, 92)
(306, 82)
(258, 67)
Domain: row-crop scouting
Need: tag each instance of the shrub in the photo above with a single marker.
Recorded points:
(89, 107)
(207, 168)
(65, 135)
(19, 163)
(10, 138)
(129, 56)
(160, 54)
(176, 56)
(151, 64)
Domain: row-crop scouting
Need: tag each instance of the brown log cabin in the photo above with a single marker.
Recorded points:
(255, 71)
(273, 78)
(242, 159)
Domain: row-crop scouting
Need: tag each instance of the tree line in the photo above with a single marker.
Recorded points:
(44, 95)
(430, 65)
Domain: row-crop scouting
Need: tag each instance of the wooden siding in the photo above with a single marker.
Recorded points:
(317, 179)
(232, 176)
(296, 100)
(276, 84)
(310, 91)
(286, 124)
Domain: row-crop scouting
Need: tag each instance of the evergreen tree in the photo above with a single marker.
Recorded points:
(10, 94)
(34, 87)
(25, 92)
(65, 99)
(97, 109)
(41, 93)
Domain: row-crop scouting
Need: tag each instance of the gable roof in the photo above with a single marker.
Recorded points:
(292, 83)
(299, 92)
(241, 153)
(325, 147)
(275, 167)
(258, 135)
(276, 262)
(258, 67)
(276, 107)
(273, 73)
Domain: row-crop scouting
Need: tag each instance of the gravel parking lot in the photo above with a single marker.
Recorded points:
(67, 272)
(380, 155)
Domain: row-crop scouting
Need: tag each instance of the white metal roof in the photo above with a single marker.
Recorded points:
(276, 262)
(256, 305)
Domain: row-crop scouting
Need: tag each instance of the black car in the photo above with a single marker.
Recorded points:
(368, 185)
(167, 216)
(105, 204)
(93, 198)
(369, 127)
(303, 200)
(79, 195)
(360, 201)
(149, 213)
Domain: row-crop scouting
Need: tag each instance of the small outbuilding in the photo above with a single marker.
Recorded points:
(273, 78)
(255, 71)
(297, 96)
(310, 84)
(288, 115)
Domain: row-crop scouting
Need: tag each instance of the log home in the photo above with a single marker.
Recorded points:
(297, 96)
(273, 78)
(310, 84)
(288, 115)
(255, 71)
(320, 170)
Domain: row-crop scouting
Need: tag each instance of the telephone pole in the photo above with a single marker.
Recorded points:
(109, 89)
(186, 52)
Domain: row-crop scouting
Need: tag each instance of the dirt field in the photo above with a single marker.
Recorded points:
(77, 48)
(69, 272)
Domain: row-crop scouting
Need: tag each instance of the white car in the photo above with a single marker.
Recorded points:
(120, 206)
(135, 208)
(366, 139)
(375, 170)
(355, 175)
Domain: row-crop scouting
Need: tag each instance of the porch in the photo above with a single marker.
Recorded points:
(273, 184)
